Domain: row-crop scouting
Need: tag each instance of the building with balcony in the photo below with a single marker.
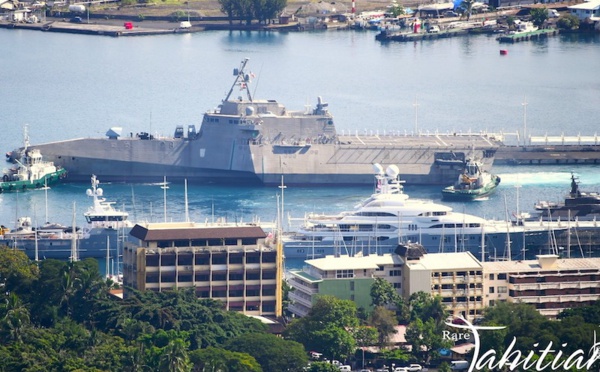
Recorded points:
(345, 277)
(549, 283)
(233, 264)
(456, 277)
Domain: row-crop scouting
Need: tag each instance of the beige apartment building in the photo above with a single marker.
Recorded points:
(229, 263)
(456, 277)
(549, 283)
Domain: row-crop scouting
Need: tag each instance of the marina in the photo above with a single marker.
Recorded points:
(420, 109)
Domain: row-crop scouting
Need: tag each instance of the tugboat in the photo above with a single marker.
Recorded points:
(474, 183)
(30, 171)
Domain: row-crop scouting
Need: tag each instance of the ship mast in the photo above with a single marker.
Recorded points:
(242, 80)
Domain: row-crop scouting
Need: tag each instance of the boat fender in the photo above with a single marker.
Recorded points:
(5, 178)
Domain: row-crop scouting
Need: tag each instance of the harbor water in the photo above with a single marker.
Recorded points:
(67, 86)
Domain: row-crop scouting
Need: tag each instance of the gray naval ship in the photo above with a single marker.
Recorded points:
(259, 141)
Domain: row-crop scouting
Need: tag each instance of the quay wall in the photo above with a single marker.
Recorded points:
(548, 155)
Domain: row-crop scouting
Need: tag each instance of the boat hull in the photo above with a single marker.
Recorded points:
(532, 243)
(92, 246)
(48, 179)
(451, 193)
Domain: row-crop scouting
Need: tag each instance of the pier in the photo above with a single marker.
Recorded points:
(525, 36)
(410, 36)
(88, 28)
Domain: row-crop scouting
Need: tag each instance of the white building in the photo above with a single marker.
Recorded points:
(589, 9)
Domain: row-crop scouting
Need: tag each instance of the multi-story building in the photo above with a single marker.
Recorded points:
(550, 283)
(456, 277)
(345, 277)
(233, 264)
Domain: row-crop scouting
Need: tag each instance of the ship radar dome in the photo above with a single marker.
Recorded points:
(99, 191)
(378, 168)
(392, 171)
(249, 111)
(88, 192)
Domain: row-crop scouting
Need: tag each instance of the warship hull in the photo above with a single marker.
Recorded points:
(260, 141)
(226, 161)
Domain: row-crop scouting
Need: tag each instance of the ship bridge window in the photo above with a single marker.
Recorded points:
(374, 214)
(434, 213)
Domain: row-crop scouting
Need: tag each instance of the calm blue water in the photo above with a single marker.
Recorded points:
(65, 86)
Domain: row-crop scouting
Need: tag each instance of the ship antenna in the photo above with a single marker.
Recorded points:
(256, 86)
(241, 80)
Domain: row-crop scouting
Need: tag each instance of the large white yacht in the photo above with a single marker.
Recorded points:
(389, 217)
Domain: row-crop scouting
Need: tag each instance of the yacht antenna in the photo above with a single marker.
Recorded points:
(282, 187)
(35, 233)
(187, 213)
(107, 257)
(164, 187)
(74, 255)
(46, 197)
(524, 121)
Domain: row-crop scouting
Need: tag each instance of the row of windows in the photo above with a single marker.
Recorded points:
(236, 293)
(170, 277)
(173, 259)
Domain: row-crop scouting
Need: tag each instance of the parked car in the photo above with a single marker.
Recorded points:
(76, 20)
(459, 365)
(401, 369)
(345, 368)
(450, 13)
(414, 368)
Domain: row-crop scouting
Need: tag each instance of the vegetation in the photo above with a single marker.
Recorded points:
(539, 16)
(248, 10)
(60, 316)
(568, 22)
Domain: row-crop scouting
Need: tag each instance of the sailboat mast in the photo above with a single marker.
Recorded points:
(74, 255)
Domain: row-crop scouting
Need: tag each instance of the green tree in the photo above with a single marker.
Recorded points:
(216, 359)
(271, 352)
(538, 16)
(383, 293)
(568, 22)
(365, 336)
(175, 357)
(326, 327)
(17, 272)
(322, 367)
(466, 6)
(385, 322)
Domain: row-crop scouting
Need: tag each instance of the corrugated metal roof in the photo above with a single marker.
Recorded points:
(195, 232)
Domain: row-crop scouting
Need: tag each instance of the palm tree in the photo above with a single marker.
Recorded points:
(16, 317)
(175, 357)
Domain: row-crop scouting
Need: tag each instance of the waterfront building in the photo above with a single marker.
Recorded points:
(456, 277)
(231, 263)
(587, 9)
(345, 277)
(549, 283)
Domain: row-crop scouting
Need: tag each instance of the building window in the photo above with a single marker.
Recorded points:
(502, 276)
(352, 285)
(395, 272)
(397, 285)
(491, 276)
(340, 274)
(492, 302)
(491, 290)
(502, 289)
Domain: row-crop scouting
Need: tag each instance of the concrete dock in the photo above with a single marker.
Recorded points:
(88, 28)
